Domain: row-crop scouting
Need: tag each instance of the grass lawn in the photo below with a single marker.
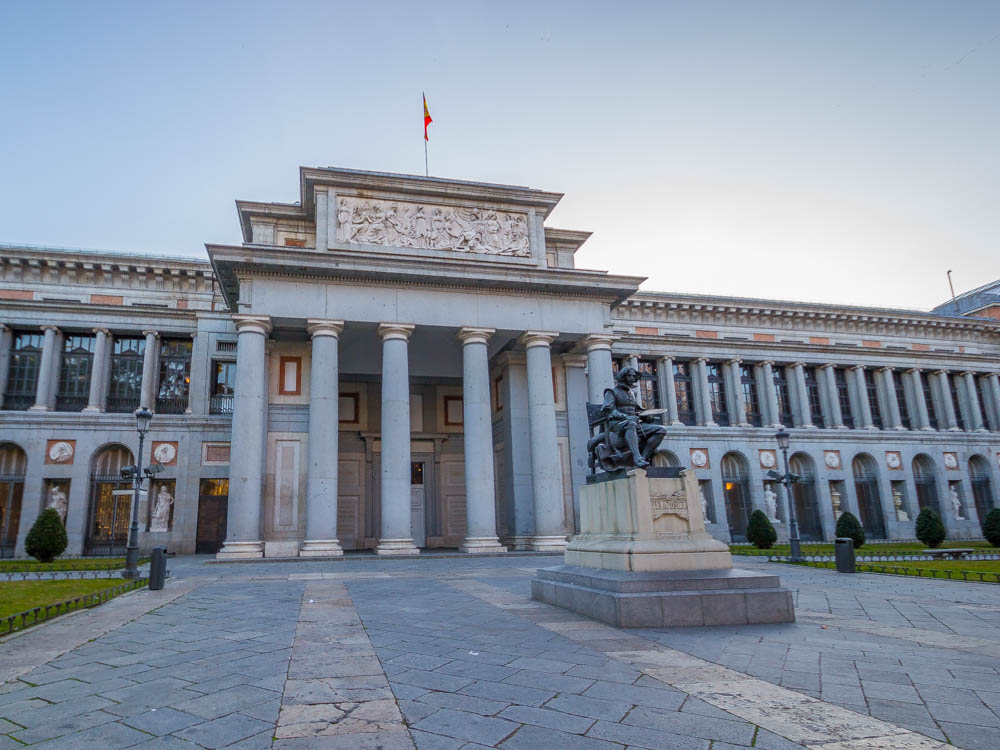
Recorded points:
(892, 548)
(17, 596)
(85, 563)
(971, 570)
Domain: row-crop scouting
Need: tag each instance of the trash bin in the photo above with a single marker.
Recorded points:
(158, 568)
(845, 555)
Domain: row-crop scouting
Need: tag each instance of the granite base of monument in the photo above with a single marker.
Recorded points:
(643, 559)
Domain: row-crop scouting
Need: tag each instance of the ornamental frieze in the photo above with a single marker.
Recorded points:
(414, 225)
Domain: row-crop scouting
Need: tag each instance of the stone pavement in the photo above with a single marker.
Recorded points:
(452, 653)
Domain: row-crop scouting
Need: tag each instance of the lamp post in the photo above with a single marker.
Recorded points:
(143, 417)
(788, 479)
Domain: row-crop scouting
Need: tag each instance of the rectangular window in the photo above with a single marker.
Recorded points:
(682, 391)
(953, 387)
(74, 372)
(925, 384)
(748, 381)
(871, 390)
(784, 397)
(904, 408)
(125, 387)
(815, 402)
(175, 376)
(22, 376)
(290, 376)
(648, 384)
(844, 397)
(717, 393)
(223, 387)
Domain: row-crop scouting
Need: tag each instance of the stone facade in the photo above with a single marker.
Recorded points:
(431, 393)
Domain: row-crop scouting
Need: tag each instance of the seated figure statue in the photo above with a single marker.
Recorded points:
(626, 427)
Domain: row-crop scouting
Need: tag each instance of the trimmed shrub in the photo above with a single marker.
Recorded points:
(47, 538)
(848, 525)
(991, 527)
(930, 530)
(760, 531)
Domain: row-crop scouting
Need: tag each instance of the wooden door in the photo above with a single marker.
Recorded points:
(213, 505)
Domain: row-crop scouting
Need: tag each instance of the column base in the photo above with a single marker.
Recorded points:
(240, 550)
(321, 548)
(518, 543)
(39, 407)
(479, 545)
(547, 544)
(92, 410)
(396, 547)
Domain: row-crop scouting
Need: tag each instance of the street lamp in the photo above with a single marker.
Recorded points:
(143, 417)
(788, 479)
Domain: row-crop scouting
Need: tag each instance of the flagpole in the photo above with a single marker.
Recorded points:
(423, 96)
(426, 171)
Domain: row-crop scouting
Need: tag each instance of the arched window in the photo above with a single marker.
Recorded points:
(108, 522)
(13, 463)
(736, 488)
(869, 499)
(925, 481)
(982, 492)
(804, 493)
(665, 458)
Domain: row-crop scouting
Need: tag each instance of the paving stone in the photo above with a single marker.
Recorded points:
(970, 737)
(60, 727)
(693, 725)
(103, 737)
(162, 720)
(502, 691)
(909, 715)
(466, 725)
(223, 702)
(432, 680)
(666, 698)
(950, 712)
(413, 711)
(461, 702)
(530, 737)
(428, 741)
(890, 692)
(223, 731)
(396, 740)
(544, 717)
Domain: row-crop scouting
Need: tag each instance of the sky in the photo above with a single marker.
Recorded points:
(842, 152)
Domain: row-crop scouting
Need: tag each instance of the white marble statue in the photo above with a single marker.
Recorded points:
(956, 504)
(161, 510)
(704, 504)
(59, 501)
(771, 505)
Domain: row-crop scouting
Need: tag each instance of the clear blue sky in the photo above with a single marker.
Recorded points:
(835, 151)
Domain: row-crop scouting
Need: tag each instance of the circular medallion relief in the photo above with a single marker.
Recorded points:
(832, 460)
(699, 458)
(892, 460)
(164, 453)
(950, 461)
(767, 459)
(60, 452)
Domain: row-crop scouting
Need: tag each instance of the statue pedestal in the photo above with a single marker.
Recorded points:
(644, 559)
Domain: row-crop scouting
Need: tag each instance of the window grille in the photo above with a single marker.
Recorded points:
(74, 373)
(125, 386)
(22, 375)
(223, 387)
(925, 385)
(871, 389)
(815, 402)
(904, 407)
(748, 382)
(953, 388)
(648, 384)
(175, 376)
(717, 394)
(225, 347)
(783, 395)
(682, 391)
(844, 397)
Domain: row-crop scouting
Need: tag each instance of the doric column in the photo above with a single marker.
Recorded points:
(396, 536)
(480, 484)
(98, 370)
(147, 397)
(802, 394)
(894, 418)
(861, 392)
(701, 372)
(972, 397)
(993, 383)
(739, 400)
(773, 412)
(833, 397)
(324, 434)
(947, 402)
(546, 482)
(669, 389)
(6, 337)
(46, 370)
(599, 375)
(923, 417)
(246, 461)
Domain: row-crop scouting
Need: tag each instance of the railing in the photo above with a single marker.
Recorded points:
(18, 402)
(70, 403)
(221, 405)
(122, 404)
(171, 405)
(38, 614)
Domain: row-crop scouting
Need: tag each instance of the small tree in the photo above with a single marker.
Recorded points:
(930, 530)
(760, 531)
(849, 526)
(47, 538)
(991, 527)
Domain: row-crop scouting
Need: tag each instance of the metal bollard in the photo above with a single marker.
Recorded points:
(845, 555)
(157, 568)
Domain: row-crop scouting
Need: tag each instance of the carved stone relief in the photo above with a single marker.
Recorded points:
(455, 228)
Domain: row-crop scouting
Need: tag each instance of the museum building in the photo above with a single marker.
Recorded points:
(398, 363)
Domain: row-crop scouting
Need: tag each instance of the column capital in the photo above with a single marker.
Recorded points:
(156, 334)
(702, 360)
(914, 370)
(252, 324)
(574, 360)
(598, 341)
(388, 331)
(885, 368)
(798, 364)
(858, 368)
(969, 373)
(316, 327)
(474, 335)
(830, 365)
(105, 331)
(50, 327)
(939, 373)
(735, 361)
(768, 362)
(531, 339)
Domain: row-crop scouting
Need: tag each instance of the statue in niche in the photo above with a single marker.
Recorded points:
(629, 436)
(57, 499)
(160, 520)
(771, 504)
(704, 504)
(956, 504)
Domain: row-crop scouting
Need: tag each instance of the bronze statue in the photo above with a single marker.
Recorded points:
(626, 436)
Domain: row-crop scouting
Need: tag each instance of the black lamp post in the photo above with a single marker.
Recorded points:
(788, 479)
(143, 417)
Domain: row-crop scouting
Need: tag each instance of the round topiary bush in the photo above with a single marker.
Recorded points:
(760, 532)
(930, 530)
(991, 527)
(47, 538)
(849, 526)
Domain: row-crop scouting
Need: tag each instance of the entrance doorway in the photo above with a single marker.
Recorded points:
(736, 490)
(418, 525)
(110, 503)
(869, 499)
(804, 495)
(213, 504)
(12, 466)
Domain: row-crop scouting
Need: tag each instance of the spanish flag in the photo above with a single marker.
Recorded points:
(427, 118)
